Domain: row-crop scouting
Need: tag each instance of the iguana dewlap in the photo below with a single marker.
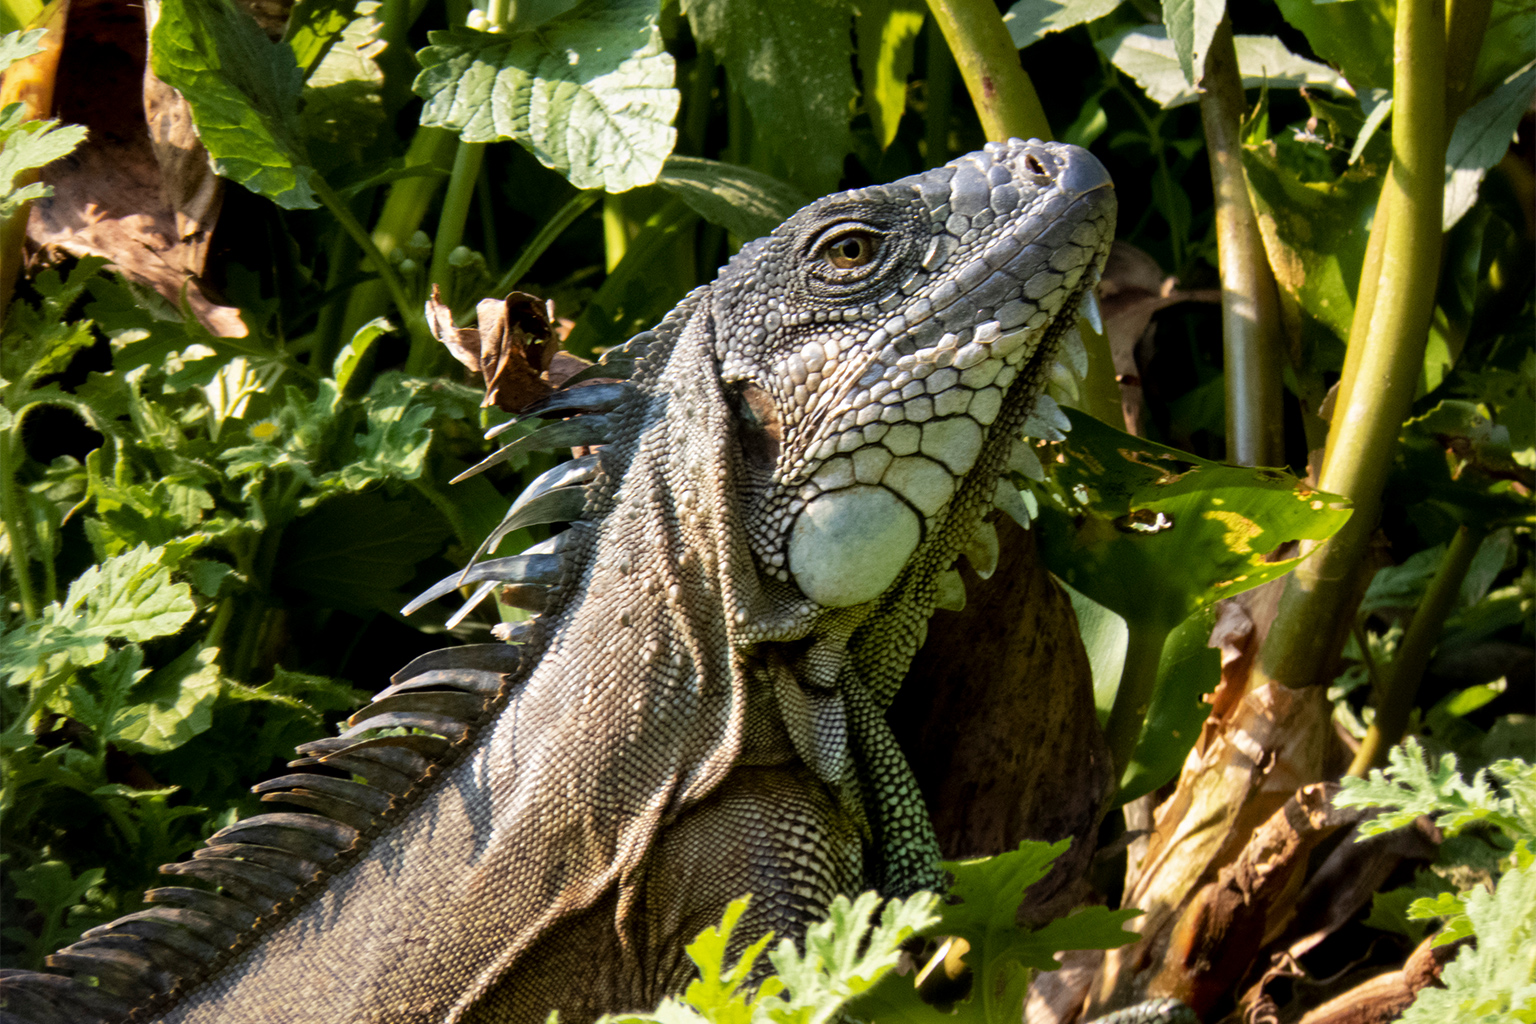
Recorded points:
(805, 447)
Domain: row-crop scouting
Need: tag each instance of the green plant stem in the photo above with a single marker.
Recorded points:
(1394, 704)
(940, 75)
(404, 209)
(1466, 23)
(17, 525)
(1250, 306)
(386, 272)
(450, 223)
(1138, 681)
(659, 230)
(485, 204)
(989, 62)
(1368, 416)
(553, 228)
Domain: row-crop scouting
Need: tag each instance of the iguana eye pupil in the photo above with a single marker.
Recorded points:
(853, 250)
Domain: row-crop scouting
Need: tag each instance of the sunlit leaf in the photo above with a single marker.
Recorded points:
(1149, 56)
(244, 93)
(1188, 670)
(588, 92)
(1355, 37)
(1154, 533)
(887, 32)
(747, 203)
(1029, 21)
(1480, 140)
(1191, 24)
(342, 95)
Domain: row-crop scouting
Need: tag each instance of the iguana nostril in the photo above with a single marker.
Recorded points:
(1033, 165)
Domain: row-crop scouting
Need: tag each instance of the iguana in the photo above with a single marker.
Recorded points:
(805, 447)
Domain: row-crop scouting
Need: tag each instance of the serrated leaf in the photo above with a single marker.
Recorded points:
(1150, 57)
(244, 93)
(747, 203)
(1029, 21)
(129, 597)
(15, 46)
(790, 59)
(171, 705)
(1494, 980)
(887, 33)
(1480, 140)
(28, 146)
(1415, 787)
(394, 445)
(588, 92)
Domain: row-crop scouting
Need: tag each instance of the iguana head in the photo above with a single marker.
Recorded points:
(878, 338)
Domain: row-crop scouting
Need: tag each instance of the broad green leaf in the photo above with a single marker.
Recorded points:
(1355, 37)
(1494, 980)
(129, 597)
(1029, 21)
(1104, 636)
(28, 146)
(1314, 233)
(244, 93)
(1149, 56)
(1188, 670)
(791, 61)
(887, 33)
(343, 100)
(1191, 24)
(1480, 140)
(1457, 457)
(747, 203)
(589, 92)
(314, 26)
(171, 706)
(1509, 43)
(326, 555)
(1154, 534)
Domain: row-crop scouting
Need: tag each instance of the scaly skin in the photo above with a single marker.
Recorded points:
(806, 447)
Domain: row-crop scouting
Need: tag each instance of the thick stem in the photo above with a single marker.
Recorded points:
(450, 224)
(1394, 703)
(1138, 681)
(1250, 309)
(1366, 420)
(989, 62)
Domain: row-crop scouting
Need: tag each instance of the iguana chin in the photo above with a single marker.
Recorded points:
(805, 447)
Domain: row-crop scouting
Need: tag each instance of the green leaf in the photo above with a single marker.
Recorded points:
(342, 100)
(394, 445)
(355, 351)
(1154, 534)
(1314, 232)
(1416, 788)
(1151, 58)
(747, 203)
(790, 59)
(989, 891)
(28, 146)
(1480, 140)
(329, 556)
(129, 597)
(314, 26)
(1029, 21)
(244, 93)
(171, 706)
(18, 45)
(1191, 24)
(1105, 637)
(1188, 670)
(1495, 980)
(589, 92)
(887, 33)
(1354, 37)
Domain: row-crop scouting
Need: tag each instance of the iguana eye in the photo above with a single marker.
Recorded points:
(852, 250)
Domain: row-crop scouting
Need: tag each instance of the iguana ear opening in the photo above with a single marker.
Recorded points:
(760, 431)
